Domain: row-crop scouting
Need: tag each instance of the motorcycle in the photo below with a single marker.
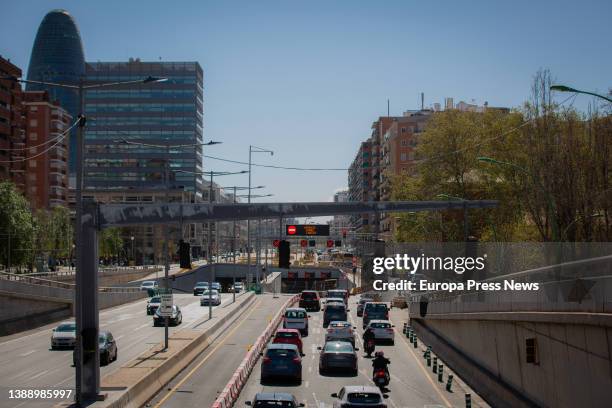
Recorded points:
(369, 347)
(380, 378)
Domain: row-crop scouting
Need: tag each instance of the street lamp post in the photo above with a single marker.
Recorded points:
(133, 260)
(549, 199)
(87, 359)
(252, 149)
(563, 88)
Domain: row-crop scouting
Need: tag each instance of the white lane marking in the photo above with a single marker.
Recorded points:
(310, 369)
(317, 403)
(142, 327)
(63, 381)
(38, 375)
(28, 353)
(306, 384)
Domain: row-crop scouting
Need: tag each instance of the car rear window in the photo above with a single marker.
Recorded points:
(381, 325)
(70, 327)
(376, 307)
(286, 335)
(295, 314)
(335, 308)
(281, 353)
(274, 404)
(336, 293)
(339, 347)
(363, 398)
(309, 296)
(155, 299)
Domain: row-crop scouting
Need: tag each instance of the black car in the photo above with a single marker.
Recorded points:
(338, 355)
(107, 347)
(334, 311)
(174, 320)
(309, 300)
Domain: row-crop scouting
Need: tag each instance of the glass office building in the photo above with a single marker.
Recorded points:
(57, 56)
(154, 114)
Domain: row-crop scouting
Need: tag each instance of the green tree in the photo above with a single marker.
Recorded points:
(16, 226)
(55, 232)
(110, 243)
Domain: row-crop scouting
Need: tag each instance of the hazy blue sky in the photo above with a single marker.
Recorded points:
(308, 78)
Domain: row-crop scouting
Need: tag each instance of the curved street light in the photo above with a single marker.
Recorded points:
(564, 88)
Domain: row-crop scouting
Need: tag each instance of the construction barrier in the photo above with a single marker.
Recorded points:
(231, 392)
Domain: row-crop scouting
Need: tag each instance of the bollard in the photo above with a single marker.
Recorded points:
(405, 328)
(428, 361)
(416, 343)
(435, 365)
(468, 401)
(440, 373)
(449, 383)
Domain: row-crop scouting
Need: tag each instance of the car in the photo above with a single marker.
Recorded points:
(216, 286)
(236, 288)
(375, 311)
(334, 300)
(107, 347)
(360, 305)
(281, 360)
(340, 330)
(274, 400)
(334, 311)
(289, 336)
(309, 300)
(211, 297)
(338, 293)
(175, 319)
(359, 396)
(296, 318)
(153, 304)
(146, 285)
(383, 330)
(64, 336)
(199, 288)
(338, 355)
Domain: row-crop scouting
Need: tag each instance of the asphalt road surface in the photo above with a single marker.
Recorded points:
(27, 360)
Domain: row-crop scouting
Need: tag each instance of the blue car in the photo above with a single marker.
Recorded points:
(281, 360)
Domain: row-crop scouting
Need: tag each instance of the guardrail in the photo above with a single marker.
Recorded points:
(101, 271)
(55, 284)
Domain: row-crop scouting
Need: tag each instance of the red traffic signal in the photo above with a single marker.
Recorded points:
(276, 243)
(330, 243)
(291, 229)
(304, 243)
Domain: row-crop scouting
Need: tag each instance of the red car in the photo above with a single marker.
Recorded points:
(289, 336)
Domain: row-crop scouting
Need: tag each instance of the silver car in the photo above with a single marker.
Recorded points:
(64, 336)
(146, 285)
(383, 330)
(210, 296)
(359, 396)
(340, 330)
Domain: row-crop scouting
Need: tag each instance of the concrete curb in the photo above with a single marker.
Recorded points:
(231, 391)
(151, 380)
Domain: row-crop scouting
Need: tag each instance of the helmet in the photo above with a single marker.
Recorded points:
(379, 354)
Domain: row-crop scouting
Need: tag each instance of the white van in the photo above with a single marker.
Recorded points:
(296, 318)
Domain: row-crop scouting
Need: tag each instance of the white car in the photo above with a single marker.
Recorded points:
(210, 296)
(64, 336)
(296, 318)
(338, 330)
(383, 330)
(359, 396)
(146, 285)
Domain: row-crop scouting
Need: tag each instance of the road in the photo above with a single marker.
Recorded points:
(200, 383)
(34, 365)
(412, 385)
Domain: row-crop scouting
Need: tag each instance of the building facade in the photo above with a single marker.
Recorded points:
(57, 56)
(340, 224)
(361, 186)
(47, 141)
(130, 129)
(12, 133)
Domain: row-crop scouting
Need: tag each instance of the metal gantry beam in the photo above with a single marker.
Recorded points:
(111, 215)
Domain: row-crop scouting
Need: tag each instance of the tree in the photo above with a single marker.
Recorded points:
(55, 232)
(16, 226)
(110, 243)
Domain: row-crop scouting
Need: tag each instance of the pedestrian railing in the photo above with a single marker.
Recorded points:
(34, 280)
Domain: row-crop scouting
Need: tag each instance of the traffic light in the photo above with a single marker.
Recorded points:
(337, 243)
(184, 254)
(312, 243)
(330, 243)
(284, 252)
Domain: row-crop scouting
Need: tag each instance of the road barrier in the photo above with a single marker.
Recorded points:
(231, 392)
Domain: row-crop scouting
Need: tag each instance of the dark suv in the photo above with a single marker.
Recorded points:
(309, 300)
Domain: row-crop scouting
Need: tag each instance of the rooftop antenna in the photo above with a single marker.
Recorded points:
(422, 100)
(388, 114)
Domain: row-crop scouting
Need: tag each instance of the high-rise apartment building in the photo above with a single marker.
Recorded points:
(12, 135)
(360, 185)
(57, 56)
(340, 223)
(46, 128)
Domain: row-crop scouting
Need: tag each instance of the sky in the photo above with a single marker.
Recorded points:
(306, 79)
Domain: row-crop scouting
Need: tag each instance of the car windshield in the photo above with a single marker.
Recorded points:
(155, 299)
(102, 339)
(380, 325)
(295, 314)
(363, 398)
(339, 347)
(68, 327)
(286, 335)
(274, 404)
(148, 283)
(280, 353)
(309, 295)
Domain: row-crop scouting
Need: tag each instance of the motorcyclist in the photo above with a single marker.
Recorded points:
(368, 338)
(380, 362)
